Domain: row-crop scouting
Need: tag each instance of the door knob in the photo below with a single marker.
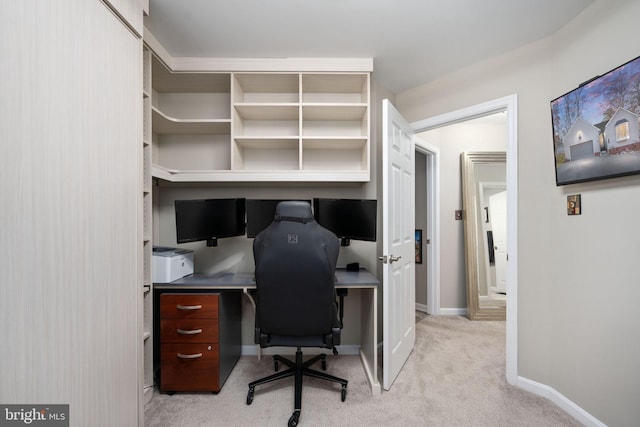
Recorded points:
(390, 259)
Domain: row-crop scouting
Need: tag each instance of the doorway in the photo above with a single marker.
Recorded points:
(509, 106)
(428, 222)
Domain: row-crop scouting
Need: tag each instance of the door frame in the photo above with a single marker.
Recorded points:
(510, 105)
(432, 154)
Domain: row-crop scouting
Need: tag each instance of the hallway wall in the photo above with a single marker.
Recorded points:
(570, 338)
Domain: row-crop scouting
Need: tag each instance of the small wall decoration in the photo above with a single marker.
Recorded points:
(418, 246)
(574, 205)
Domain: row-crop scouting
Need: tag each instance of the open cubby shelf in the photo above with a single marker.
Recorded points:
(259, 126)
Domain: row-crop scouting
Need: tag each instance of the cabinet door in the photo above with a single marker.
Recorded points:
(70, 165)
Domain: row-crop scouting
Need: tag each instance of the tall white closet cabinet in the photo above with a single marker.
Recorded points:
(70, 168)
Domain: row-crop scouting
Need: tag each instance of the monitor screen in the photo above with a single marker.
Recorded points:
(596, 127)
(260, 213)
(209, 219)
(348, 218)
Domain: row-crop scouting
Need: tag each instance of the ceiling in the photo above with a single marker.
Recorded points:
(412, 42)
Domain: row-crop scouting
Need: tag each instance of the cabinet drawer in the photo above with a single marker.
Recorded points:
(192, 330)
(183, 306)
(189, 367)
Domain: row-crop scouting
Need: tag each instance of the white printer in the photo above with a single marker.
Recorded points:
(171, 264)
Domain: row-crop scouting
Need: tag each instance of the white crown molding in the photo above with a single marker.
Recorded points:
(274, 64)
(256, 64)
(157, 48)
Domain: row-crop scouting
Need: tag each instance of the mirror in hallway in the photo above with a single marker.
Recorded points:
(485, 223)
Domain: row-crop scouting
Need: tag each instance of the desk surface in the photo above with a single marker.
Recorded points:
(345, 279)
(361, 279)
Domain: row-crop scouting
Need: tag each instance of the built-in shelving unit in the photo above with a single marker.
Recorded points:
(260, 126)
(273, 124)
(145, 288)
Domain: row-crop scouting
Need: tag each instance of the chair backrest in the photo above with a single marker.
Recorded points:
(295, 262)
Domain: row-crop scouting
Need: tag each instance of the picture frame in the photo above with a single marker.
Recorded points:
(418, 239)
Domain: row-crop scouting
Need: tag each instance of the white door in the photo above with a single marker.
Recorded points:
(498, 217)
(398, 242)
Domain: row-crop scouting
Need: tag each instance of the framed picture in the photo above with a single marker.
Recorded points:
(418, 246)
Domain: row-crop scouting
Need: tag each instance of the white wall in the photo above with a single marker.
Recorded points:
(577, 280)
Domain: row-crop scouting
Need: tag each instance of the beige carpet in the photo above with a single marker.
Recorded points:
(454, 377)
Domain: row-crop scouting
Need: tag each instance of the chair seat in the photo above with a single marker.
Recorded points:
(287, 341)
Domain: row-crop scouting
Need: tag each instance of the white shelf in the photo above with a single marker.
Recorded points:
(266, 88)
(335, 112)
(254, 111)
(195, 176)
(260, 126)
(164, 124)
(265, 143)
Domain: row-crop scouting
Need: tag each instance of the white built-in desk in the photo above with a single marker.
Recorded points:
(362, 280)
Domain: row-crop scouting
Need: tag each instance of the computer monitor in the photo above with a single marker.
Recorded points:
(260, 213)
(209, 219)
(349, 219)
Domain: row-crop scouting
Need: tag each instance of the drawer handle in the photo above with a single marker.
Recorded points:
(190, 332)
(189, 356)
(188, 307)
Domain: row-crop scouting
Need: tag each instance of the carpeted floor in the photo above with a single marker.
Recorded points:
(455, 376)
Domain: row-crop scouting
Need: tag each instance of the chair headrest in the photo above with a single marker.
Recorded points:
(293, 211)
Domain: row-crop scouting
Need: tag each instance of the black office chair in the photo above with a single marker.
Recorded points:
(296, 306)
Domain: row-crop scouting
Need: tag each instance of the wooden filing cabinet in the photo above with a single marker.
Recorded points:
(199, 340)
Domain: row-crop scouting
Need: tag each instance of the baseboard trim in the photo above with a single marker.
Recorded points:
(453, 311)
(254, 350)
(559, 399)
(422, 308)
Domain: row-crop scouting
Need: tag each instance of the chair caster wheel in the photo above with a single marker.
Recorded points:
(324, 365)
(295, 417)
(276, 366)
(344, 394)
(250, 396)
